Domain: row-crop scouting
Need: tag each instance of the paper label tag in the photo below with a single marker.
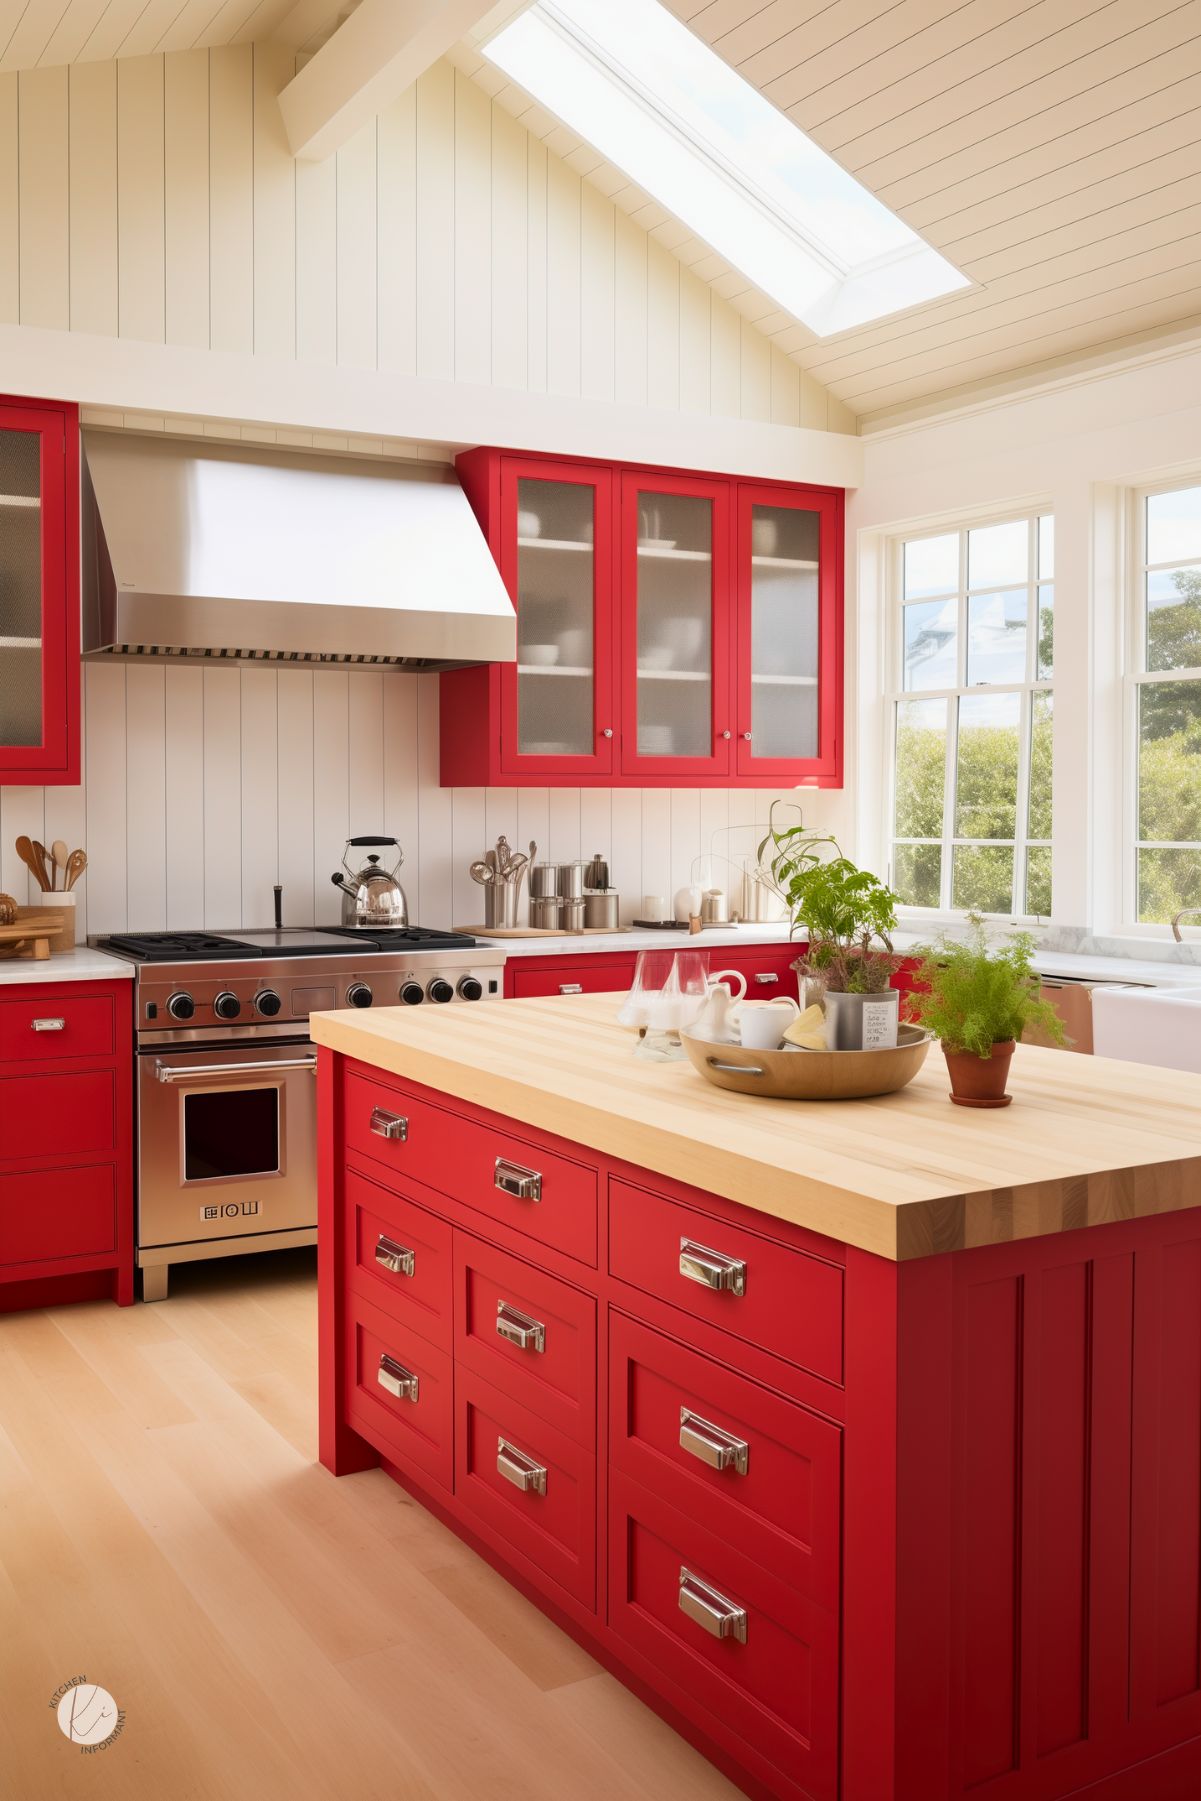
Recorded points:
(879, 1026)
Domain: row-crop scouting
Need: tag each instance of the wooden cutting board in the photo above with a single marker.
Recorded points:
(30, 936)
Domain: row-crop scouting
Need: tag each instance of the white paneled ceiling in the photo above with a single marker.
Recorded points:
(1051, 149)
(39, 33)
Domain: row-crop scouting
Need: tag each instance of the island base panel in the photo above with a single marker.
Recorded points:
(989, 1583)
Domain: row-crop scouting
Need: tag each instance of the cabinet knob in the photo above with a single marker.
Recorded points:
(747, 736)
(723, 734)
(607, 732)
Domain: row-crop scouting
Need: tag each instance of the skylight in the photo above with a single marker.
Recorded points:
(636, 84)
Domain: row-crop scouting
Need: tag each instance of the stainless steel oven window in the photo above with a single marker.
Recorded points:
(230, 1133)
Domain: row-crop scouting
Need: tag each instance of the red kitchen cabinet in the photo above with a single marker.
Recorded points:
(66, 1151)
(39, 592)
(673, 629)
(862, 1530)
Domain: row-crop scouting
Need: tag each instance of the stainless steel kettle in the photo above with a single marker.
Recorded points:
(371, 896)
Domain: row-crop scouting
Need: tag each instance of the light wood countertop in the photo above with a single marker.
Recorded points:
(1086, 1141)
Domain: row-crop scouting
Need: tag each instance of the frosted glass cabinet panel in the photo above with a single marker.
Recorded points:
(556, 618)
(39, 592)
(674, 559)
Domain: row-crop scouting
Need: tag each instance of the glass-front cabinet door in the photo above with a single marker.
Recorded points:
(38, 626)
(675, 665)
(557, 701)
(788, 650)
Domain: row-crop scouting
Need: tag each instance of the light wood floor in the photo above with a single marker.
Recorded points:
(270, 1632)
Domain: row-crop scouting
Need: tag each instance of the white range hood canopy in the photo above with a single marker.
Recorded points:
(210, 550)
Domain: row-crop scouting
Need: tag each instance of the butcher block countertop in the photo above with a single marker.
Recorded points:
(1087, 1140)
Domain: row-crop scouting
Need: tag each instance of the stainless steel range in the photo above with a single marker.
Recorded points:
(226, 1114)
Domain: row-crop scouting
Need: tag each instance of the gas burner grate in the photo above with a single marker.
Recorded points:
(175, 947)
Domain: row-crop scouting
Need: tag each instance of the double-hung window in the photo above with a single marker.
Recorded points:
(1165, 665)
(972, 614)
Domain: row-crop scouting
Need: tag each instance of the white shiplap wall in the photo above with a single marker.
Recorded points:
(203, 787)
(154, 198)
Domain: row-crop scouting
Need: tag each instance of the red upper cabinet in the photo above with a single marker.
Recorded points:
(39, 592)
(673, 630)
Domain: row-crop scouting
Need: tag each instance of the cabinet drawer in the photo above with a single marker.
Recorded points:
(30, 1032)
(552, 1521)
(754, 1468)
(778, 1687)
(57, 1213)
(416, 1427)
(768, 972)
(500, 1300)
(398, 1256)
(477, 1164)
(57, 1115)
(791, 1303)
(610, 974)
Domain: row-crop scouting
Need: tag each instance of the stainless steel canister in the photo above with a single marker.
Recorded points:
(573, 914)
(571, 880)
(544, 880)
(546, 912)
(601, 909)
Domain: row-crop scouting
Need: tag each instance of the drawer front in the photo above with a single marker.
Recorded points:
(34, 1031)
(57, 1213)
(417, 1427)
(58, 1115)
(398, 1256)
(530, 1335)
(756, 1469)
(552, 1521)
(777, 1688)
(768, 972)
(791, 1304)
(479, 1165)
(611, 974)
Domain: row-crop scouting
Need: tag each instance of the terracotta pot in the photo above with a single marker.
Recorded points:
(980, 1081)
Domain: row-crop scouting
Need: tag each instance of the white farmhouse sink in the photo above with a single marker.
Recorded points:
(1149, 1025)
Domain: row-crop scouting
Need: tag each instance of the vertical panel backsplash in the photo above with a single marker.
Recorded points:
(205, 786)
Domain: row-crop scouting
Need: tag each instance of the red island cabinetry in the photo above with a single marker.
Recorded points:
(862, 1529)
(674, 629)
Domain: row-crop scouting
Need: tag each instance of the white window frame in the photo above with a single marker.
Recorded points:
(1135, 676)
(895, 603)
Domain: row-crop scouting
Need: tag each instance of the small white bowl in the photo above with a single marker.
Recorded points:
(541, 655)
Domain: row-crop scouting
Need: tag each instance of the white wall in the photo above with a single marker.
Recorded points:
(203, 787)
(1078, 449)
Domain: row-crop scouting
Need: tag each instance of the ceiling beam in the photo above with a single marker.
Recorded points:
(378, 52)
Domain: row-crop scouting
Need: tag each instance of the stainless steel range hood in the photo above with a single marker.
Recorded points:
(204, 550)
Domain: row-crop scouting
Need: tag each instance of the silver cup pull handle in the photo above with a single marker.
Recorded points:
(571, 988)
(764, 979)
(712, 1269)
(48, 1025)
(713, 1611)
(519, 1329)
(397, 1379)
(389, 1125)
(522, 1471)
(511, 1178)
(711, 1444)
(395, 1257)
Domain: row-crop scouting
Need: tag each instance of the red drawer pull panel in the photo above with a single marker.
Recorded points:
(39, 1029)
(398, 1257)
(399, 1392)
(64, 1115)
(57, 1213)
(755, 1288)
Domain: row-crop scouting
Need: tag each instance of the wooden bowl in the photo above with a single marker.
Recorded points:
(801, 1075)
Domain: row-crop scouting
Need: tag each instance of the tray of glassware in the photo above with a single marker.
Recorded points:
(796, 1074)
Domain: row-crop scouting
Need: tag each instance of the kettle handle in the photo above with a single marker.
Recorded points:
(359, 843)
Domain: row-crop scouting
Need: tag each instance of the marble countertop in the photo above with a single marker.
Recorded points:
(81, 965)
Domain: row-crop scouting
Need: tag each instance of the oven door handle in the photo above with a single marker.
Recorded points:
(174, 1072)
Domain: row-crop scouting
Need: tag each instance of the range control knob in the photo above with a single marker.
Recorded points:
(470, 988)
(412, 994)
(181, 1006)
(267, 1003)
(227, 1006)
(440, 989)
(358, 994)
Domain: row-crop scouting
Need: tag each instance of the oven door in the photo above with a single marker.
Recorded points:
(227, 1141)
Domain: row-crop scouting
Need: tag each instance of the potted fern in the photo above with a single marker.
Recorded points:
(978, 1000)
(847, 912)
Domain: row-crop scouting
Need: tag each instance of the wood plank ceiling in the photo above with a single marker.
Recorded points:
(43, 33)
(1051, 149)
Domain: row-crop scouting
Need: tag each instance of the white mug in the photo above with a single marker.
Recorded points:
(762, 1024)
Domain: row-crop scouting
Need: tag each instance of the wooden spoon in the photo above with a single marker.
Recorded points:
(26, 853)
(77, 862)
(43, 866)
(58, 850)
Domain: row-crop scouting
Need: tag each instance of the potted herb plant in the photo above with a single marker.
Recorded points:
(977, 1000)
(847, 912)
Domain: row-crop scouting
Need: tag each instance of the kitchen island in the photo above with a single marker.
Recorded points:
(862, 1439)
